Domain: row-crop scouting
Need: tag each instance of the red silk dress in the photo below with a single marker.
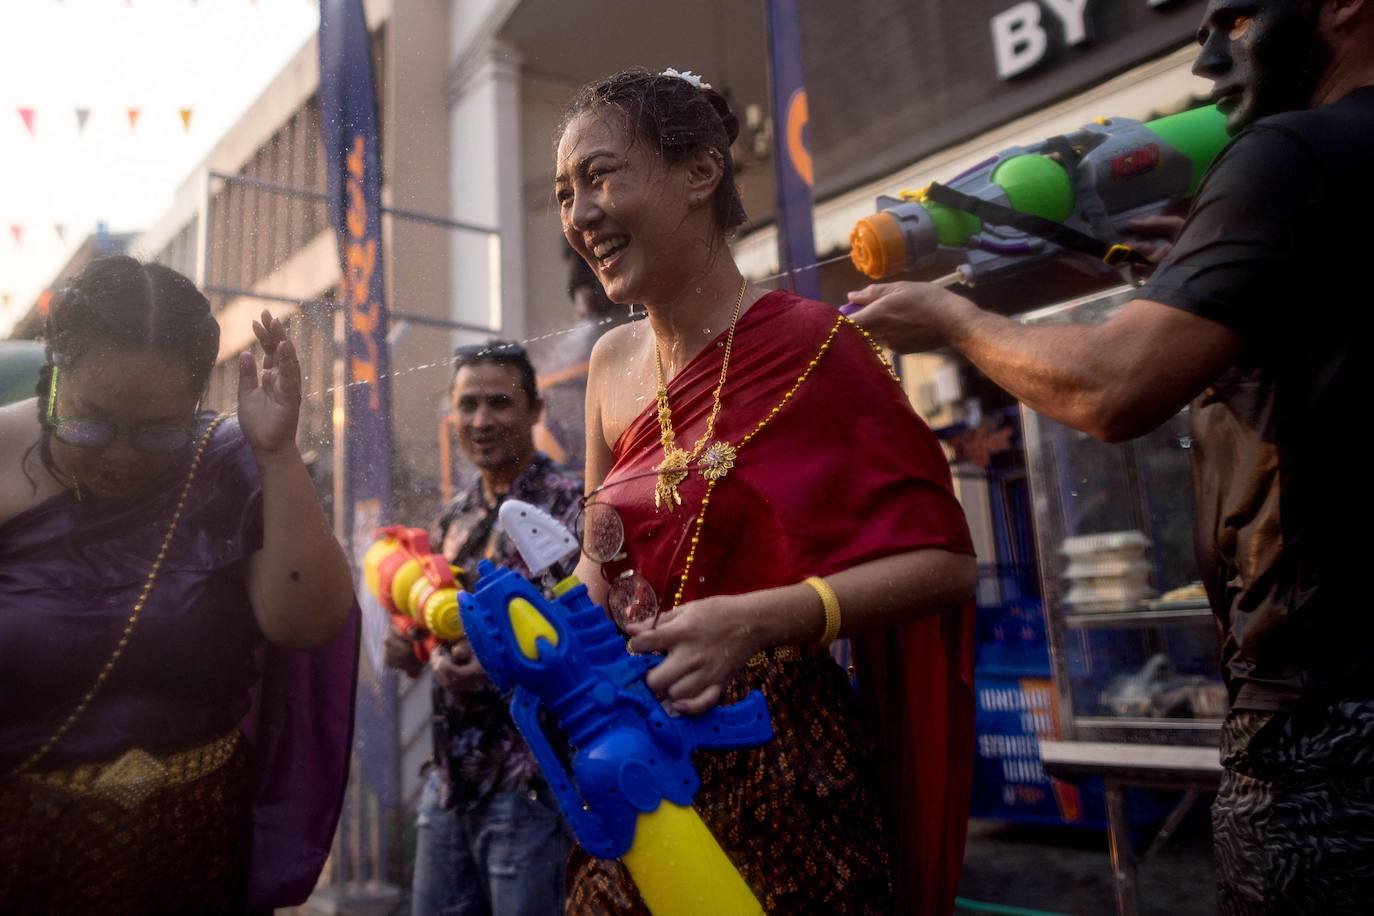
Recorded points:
(821, 818)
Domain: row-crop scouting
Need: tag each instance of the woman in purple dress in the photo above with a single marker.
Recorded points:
(176, 657)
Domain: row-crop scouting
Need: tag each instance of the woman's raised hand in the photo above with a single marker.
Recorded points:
(270, 404)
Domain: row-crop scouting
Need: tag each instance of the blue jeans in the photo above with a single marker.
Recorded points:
(503, 858)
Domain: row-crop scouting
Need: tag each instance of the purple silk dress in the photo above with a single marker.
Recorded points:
(196, 665)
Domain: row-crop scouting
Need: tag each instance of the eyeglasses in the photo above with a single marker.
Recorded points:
(82, 432)
(630, 597)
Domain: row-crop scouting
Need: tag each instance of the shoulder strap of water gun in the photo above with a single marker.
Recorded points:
(1057, 233)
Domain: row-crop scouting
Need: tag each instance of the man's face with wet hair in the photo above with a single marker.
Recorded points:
(495, 416)
(1264, 56)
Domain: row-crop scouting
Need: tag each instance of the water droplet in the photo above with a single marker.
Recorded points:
(698, 290)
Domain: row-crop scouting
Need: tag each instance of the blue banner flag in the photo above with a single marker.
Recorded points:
(791, 151)
(349, 125)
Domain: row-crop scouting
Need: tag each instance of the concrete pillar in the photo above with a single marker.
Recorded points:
(487, 284)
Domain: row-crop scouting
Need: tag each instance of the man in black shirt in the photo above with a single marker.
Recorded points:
(1252, 317)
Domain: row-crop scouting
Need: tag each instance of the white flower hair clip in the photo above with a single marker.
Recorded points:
(687, 75)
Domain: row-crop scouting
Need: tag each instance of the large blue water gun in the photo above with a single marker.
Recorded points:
(629, 789)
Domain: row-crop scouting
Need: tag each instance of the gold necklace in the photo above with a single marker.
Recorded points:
(720, 457)
(143, 594)
(768, 417)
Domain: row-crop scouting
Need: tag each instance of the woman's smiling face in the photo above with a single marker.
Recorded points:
(627, 212)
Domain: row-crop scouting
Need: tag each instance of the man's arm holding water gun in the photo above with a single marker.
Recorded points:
(1085, 199)
(1114, 381)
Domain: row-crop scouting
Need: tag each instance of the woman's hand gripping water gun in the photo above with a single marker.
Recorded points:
(628, 793)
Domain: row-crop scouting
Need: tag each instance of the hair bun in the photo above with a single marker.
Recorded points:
(722, 107)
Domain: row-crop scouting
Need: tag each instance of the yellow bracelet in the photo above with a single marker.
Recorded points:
(832, 608)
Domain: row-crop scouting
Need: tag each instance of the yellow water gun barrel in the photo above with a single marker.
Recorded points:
(681, 870)
(675, 861)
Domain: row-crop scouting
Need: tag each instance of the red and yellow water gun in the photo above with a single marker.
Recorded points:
(416, 586)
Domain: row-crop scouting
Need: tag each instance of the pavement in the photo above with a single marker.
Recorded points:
(1009, 869)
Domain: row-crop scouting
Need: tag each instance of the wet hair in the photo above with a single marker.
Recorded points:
(676, 118)
(124, 303)
(498, 353)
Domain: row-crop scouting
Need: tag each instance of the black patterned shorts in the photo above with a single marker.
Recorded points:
(1293, 823)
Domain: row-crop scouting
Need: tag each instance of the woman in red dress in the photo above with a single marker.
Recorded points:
(776, 490)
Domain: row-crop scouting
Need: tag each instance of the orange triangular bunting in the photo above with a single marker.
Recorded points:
(185, 118)
(133, 118)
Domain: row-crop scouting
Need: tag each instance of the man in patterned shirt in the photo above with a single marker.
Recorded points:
(490, 838)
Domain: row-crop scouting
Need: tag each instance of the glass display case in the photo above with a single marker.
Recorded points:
(1133, 644)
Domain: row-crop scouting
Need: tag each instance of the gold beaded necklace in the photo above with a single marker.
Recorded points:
(143, 594)
(777, 409)
(719, 457)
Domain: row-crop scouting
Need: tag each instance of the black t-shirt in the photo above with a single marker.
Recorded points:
(1278, 247)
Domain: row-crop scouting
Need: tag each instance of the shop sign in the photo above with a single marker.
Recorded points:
(1021, 39)
(906, 79)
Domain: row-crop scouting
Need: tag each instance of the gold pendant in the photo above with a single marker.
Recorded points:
(672, 470)
(717, 461)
